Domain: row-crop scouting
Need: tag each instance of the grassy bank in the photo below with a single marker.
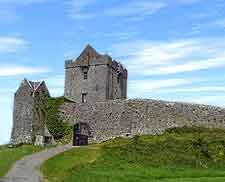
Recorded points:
(8, 156)
(187, 154)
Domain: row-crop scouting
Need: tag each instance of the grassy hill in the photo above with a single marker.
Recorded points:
(179, 155)
(8, 156)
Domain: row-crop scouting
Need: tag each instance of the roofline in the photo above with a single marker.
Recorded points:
(28, 83)
(38, 85)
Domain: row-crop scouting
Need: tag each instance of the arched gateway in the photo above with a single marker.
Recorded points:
(81, 132)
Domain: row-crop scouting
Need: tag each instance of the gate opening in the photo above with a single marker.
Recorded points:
(80, 134)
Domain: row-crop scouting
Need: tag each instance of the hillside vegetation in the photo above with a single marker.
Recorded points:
(60, 129)
(179, 155)
(8, 156)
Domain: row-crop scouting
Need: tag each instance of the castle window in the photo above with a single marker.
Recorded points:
(85, 75)
(85, 72)
(118, 78)
(84, 97)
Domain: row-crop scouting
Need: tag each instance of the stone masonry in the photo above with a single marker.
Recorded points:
(93, 77)
(96, 88)
(111, 119)
(30, 104)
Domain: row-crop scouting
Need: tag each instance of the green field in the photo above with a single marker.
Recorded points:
(8, 156)
(179, 155)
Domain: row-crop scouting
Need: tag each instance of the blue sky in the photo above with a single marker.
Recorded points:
(173, 49)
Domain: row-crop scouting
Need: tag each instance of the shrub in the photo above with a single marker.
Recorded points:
(56, 126)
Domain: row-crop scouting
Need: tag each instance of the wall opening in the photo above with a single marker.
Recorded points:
(47, 139)
(85, 72)
(81, 133)
(84, 97)
(85, 75)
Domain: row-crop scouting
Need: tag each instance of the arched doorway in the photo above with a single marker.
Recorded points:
(81, 132)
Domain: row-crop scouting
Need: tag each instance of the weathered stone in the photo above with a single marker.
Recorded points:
(30, 104)
(96, 77)
(138, 117)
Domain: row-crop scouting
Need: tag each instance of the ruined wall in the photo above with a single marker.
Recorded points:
(130, 117)
(29, 114)
(40, 109)
(119, 81)
(23, 115)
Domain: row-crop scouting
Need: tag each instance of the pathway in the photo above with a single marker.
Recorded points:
(27, 169)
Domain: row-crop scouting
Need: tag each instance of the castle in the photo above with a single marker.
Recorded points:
(96, 87)
(93, 78)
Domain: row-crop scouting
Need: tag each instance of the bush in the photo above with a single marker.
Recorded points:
(56, 126)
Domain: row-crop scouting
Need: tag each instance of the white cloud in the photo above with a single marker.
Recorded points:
(20, 70)
(170, 57)
(78, 9)
(196, 89)
(56, 81)
(220, 22)
(56, 92)
(132, 9)
(137, 88)
(86, 9)
(55, 85)
(136, 8)
(209, 100)
(11, 44)
(152, 85)
(187, 67)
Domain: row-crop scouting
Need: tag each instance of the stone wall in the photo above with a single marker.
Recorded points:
(23, 115)
(131, 117)
(94, 86)
(29, 114)
(95, 75)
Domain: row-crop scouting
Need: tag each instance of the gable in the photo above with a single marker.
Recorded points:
(30, 87)
(41, 87)
(88, 54)
(24, 90)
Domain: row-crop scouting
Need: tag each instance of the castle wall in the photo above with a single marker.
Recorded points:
(40, 109)
(130, 117)
(30, 105)
(103, 83)
(23, 116)
(106, 78)
(95, 85)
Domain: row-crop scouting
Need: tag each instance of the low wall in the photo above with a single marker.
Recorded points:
(131, 117)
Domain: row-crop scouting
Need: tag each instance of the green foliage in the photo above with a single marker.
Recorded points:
(8, 156)
(56, 126)
(189, 155)
(67, 138)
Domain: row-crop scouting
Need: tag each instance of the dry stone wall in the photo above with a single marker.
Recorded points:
(131, 117)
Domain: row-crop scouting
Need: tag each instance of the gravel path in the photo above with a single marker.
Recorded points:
(27, 169)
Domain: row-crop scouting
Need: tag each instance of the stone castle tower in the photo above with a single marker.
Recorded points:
(29, 114)
(93, 77)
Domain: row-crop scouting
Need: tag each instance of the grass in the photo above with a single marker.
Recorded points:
(179, 155)
(8, 156)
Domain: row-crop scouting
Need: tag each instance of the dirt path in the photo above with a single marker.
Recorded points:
(27, 169)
